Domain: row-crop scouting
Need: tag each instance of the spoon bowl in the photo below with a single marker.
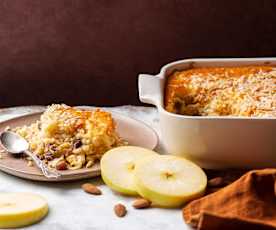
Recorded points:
(15, 145)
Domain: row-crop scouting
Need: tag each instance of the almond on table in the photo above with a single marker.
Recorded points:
(92, 189)
(141, 203)
(216, 182)
(120, 210)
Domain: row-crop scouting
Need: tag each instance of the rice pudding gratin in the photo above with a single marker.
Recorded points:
(223, 91)
(71, 137)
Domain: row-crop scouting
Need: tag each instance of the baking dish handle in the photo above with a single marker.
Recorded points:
(150, 89)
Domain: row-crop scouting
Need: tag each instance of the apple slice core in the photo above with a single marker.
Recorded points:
(21, 209)
(118, 165)
(169, 181)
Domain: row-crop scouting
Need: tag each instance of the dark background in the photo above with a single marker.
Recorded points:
(91, 51)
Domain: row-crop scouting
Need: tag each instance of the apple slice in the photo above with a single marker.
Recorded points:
(21, 209)
(117, 167)
(169, 181)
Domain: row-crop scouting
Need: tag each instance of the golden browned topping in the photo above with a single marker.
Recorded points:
(223, 91)
(70, 138)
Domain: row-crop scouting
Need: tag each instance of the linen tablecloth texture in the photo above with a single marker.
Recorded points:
(248, 203)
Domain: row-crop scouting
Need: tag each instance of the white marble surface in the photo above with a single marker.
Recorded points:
(71, 208)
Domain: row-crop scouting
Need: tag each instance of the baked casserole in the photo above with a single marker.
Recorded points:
(222, 91)
(70, 138)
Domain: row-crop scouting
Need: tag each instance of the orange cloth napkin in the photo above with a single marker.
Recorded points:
(248, 203)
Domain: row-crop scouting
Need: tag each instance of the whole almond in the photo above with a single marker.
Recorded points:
(141, 203)
(216, 182)
(61, 165)
(92, 189)
(120, 210)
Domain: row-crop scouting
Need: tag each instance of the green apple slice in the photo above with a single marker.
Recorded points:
(169, 181)
(21, 209)
(117, 167)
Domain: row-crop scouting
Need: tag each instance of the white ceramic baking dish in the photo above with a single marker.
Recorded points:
(212, 142)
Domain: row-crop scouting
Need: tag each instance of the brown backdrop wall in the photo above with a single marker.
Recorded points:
(90, 51)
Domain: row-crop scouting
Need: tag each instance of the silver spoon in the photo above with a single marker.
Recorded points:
(15, 144)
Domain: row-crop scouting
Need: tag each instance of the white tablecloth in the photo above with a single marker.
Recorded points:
(71, 208)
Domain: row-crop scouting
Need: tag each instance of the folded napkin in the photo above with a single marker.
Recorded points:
(247, 203)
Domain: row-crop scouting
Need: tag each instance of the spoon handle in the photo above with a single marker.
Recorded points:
(46, 172)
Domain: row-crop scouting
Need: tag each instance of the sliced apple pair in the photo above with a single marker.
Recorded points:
(166, 180)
